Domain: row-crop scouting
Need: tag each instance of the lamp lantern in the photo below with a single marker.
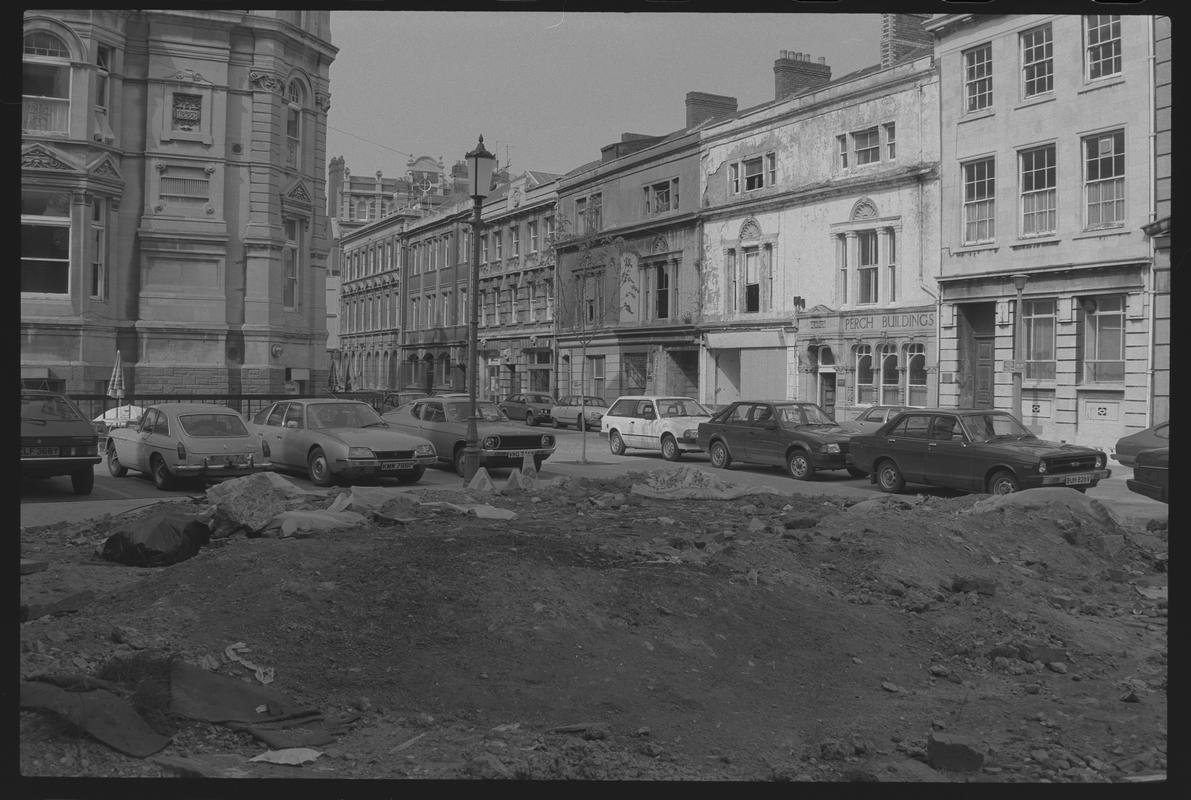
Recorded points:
(480, 166)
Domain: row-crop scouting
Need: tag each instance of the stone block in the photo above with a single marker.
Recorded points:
(953, 753)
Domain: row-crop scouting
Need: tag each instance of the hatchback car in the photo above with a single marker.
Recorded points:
(56, 439)
(801, 437)
(335, 440)
(185, 440)
(654, 422)
(533, 408)
(1151, 474)
(443, 420)
(974, 450)
(1129, 446)
(583, 411)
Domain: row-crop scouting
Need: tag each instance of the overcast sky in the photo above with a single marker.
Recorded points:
(548, 89)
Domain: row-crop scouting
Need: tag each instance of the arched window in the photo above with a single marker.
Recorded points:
(45, 84)
(295, 97)
(916, 375)
(890, 379)
(865, 377)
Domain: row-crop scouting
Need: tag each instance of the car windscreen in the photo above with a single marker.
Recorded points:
(200, 425)
(487, 412)
(341, 415)
(680, 407)
(987, 427)
(595, 401)
(48, 408)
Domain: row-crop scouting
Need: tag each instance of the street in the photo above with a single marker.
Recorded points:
(568, 460)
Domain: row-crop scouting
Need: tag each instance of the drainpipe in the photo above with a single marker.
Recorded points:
(1153, 214)
(938, 298)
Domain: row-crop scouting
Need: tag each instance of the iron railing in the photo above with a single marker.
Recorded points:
(92, 405)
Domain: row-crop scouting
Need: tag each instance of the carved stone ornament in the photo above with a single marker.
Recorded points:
(322, 101)
(299, 194)
(750, 229)
(188, 75)
(38, 157)
(105, 170)
(263, 80)
(660, 245)
(864, 209)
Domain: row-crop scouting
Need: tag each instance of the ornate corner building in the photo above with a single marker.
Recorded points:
(172, 199)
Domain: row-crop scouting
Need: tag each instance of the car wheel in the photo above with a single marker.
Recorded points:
(615, 443)
(319, 468)
(670, 450)
(1002, 482)
(799, 465)
(458, 461)
(530, 419)
(412, 476)
(82, 480)
(116, 469)
(720, 458)
(857, 473)
(889, 477)
(580, 425)
(162, 478)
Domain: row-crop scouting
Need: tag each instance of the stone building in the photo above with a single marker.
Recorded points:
(819, 244)
(1048, 174)
(1158, 229)
(172, 199)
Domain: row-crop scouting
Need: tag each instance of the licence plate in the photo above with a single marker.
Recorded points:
(1073, 480)
(397, 465)
(519, 453)
(39, 451)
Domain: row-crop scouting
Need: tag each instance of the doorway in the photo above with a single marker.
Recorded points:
(827, 392)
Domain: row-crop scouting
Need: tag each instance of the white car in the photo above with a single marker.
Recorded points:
(654, 422)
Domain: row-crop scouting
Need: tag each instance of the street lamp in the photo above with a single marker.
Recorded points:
(480, 166)
(1019, 283)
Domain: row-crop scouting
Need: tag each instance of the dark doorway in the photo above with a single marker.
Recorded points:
(983, 394)
(976, 332)
(827, 392)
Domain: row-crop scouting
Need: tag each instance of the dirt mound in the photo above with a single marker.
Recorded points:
(603, 632)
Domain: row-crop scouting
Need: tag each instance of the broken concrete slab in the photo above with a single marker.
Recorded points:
(953, 753)
(105, 716)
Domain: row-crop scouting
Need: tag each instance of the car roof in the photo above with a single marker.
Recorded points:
(193, 408)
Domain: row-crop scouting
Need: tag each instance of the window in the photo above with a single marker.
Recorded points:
(1103, 339)
(633, 372)
(1103, 45)
(550, 229)
(1038, 190)
(661, 292)
(978, 84)
(1037, 62)
(515, 240)
(916, 375)
(891, 257)
(45, 84)
(890, 140)
(291, 263)
(415, 314)
(753, 176)
(296, 98)
(865, 389)
(752, 280)
(532, 226)
(103, 69)
(770, 169)
(734, 178)
(890, 377)
(98, 246)
(483, 249)
(979, 210)
(589, 213)
(1038, 334)
(842, 141)
(595, 381)
(867, 146)
(45, 242)
(867, 270)
(1104, 179)
(661, 197)
(498, 240)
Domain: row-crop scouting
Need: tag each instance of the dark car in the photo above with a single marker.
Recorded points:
(974, 450)
(871, 418)
(801, 437)
(529, 406)
(1151, 473)
(56, 439)
(1129, 446)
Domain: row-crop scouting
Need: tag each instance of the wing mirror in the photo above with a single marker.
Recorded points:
(293, 423)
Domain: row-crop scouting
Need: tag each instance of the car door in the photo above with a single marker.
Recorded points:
(271, 432)
(294, 438)
(136, 450)
(907, 444)
(432, 425)
(949, 459)
(645, 429)
(764, 442)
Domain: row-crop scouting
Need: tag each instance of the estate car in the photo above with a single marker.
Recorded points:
(654, 422)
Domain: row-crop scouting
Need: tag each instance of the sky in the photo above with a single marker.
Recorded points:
(548, 89)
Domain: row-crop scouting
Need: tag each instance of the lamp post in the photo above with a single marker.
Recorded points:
(1019, 283)
(480, 166)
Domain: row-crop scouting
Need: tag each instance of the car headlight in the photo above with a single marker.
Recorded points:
(831, 447)
(1101, 460)
(360, 452)
(491, 442)
(1041, 467)
(547, 440)
(425, 450)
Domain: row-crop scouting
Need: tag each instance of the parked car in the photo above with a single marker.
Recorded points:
(56, 439)
(1129, 446)
(1151, 473)
(582, 411)
(801, 437)
(175, 441)
(871, 418)
(974, 450)
(654, 422)
(531, 407)
(335, 440)
(443, 420)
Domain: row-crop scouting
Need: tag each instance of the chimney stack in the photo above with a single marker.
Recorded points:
(903, 37)
(795, 73)
(702, 106)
